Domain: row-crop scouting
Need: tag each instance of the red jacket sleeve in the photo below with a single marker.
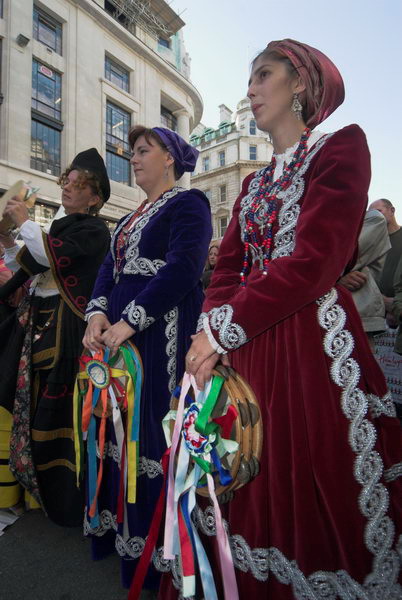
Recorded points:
(327, 230)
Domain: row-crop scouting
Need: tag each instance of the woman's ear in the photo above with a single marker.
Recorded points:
(169, 159)
(299, 85)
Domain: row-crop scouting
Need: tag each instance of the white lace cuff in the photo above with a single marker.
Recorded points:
(211, 339)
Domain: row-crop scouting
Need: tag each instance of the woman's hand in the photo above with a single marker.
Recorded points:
(92, 339)
(17, 211)
(117, 334)
(201, 359)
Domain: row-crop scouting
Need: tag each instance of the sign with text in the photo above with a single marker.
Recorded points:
(390, 362)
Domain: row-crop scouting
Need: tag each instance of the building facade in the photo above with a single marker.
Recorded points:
(227, 155)
(79, 73)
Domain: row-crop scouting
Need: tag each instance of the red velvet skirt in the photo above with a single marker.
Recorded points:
(324, 513)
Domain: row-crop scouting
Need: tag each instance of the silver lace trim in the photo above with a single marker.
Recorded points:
(374, 499)
(393, 472)
(97, 303)
(381, 406)
(284, 242)
(231, 335)
(110, 450)
(135, 264)
(171, 319)
(137, 316)
(147, 466)
(200, 322)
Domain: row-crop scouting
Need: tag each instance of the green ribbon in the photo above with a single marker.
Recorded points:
(202, 424)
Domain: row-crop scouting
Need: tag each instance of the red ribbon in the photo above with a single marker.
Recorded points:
(142, 567)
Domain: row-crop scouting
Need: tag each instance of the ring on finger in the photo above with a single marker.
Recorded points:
(192, 358)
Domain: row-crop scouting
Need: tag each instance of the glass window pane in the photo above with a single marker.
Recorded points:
(118, 168)
(117, 127)
(116, 74)
(45, 148)
(168, 119)
(46, 90)
(47, 30)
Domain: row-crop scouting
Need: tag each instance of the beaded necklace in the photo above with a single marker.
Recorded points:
(263, 210)
(124, 233)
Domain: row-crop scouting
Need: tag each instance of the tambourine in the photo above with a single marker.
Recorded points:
(108, 388)
(229, 442)
(23, 192)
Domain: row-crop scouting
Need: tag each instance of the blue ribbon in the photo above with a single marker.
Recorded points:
(224, 475)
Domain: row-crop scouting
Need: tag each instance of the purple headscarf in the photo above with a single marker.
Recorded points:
(324, 84)
(185, 156)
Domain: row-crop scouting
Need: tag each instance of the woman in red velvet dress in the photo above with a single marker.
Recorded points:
(321, 519)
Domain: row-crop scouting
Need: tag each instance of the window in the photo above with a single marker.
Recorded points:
(168, 119)
(253, 152)
(45, 148)
(46, 90)
(208, 194)
(117, 74)
(117, 146)
(42, 213)
(222, 225)
(164, 42)
(205, 163)
(46, 123)
(253, 127)
(221, 157)
(222, 193)
(47, 30)
(1, 9)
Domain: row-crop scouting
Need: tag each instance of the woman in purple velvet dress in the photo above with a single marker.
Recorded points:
(149, 290)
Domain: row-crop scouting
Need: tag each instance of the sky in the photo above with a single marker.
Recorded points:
(362, 37)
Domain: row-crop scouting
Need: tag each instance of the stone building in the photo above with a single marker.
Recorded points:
(227, 155)
(79, 73)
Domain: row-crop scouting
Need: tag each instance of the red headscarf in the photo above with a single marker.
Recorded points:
(324, 84)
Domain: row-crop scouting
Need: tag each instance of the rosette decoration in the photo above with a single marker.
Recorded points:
(108, 387)
(214, 438)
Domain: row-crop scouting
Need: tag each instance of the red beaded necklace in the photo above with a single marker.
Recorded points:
(124, 233)
(263, 210)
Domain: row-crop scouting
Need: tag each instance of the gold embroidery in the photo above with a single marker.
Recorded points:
(58, 462)
(53, 434)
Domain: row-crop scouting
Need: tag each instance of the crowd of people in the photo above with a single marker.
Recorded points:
(294, 296)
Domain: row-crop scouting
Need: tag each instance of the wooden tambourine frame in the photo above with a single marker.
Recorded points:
(19, 190)
(246, 429)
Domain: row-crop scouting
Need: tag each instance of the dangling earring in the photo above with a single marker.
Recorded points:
(166, 173)
(297, 107)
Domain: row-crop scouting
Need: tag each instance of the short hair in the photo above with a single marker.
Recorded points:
(149, 134)
(85, 178)
(387, 203)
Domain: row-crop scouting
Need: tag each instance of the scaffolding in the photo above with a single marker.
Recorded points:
(154, 16)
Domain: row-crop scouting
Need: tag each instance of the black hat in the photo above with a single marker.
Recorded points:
(91, 160)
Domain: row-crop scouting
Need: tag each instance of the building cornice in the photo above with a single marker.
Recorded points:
(255, 164)
(145, 51)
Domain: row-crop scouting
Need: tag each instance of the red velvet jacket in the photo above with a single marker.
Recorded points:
(316, 237)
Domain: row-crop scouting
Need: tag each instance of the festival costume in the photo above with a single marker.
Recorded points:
(40, 362)
(151, 279)
(318, 521)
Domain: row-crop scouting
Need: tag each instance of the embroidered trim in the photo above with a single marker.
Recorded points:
(110, 450)
(231, 335)
(137, 316)
(171, 319)
(135, 264)
(393, 472)
(147, 466)
(373, 500)
(284, 242)
(97, 303)
(381, 406)
(200, 322)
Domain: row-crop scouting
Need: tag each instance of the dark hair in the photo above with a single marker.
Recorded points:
(291, 69)
(84, 179)
(150, 135)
